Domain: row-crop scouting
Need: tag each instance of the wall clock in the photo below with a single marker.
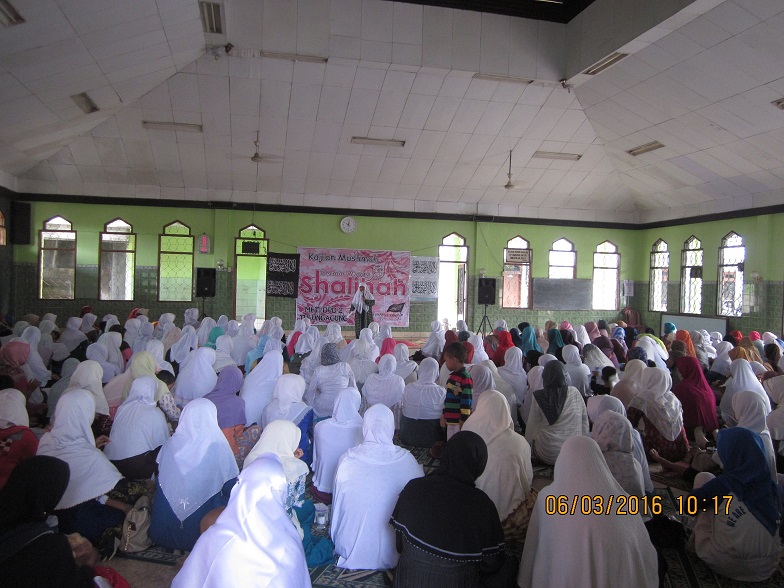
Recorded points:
(348, 224)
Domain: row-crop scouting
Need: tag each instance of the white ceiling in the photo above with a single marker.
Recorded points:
(700, 80)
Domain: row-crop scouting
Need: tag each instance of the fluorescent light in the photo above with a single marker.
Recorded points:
(647, 148)
(778, 103)
(377, 142)
(171, 126)
(605, 63)
(496, 78)
(86, 103)
(8, 14)
(294, 57)
(550, 1)
(557, 155)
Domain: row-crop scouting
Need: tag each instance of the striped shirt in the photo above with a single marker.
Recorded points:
(459, 394)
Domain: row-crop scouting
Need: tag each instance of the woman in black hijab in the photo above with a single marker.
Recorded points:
(448, 532)
(31, 552)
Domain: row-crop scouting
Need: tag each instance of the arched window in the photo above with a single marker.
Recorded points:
(175, 263)
(659, 276)
(606, 268)
(732, 255)
(452, 274)
(250, 263)
(691, 276)
(2, 229)
(56, 260)
(517, 274)
(117, 261)
(563, 260)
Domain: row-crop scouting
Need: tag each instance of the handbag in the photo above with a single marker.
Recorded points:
(135, 528)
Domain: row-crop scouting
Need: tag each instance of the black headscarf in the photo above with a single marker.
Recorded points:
(552, 397)
(444, 513)
(463, 336)
(516, 339)
(521, 326)
(532, 358)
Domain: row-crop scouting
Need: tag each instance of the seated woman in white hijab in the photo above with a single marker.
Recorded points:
(742, 378)
(48, 349)
(629, 386)
(579, 373)
(483, 380)
(330, 377)
(282, 438)
(88, 323)
(313, 360)
(100, 353)
(501, 385)
(655, 352)
(191, 317)
(203, 333)
(385, 387)
(244, 340)
(113, 342)
(32, 335)
(97, 497)
(155, 348)
(180, 351)
(404, 367)
(423, 405)
(72, 337)
(534, 383)
(462, 326)
(602, 548)
(166, 318)
(736, 533)
(331, 439)
(435, 341)
(368, 481)
(508, 475)
(259, 386)
(234, 542)
(365, 339)
(362, 362)
(513, 373)
(87, 376)
(197, 471)
(597, 406)
(197, 378)
(287, 405)
(60, 386)
(144, 336)
(296, 333)
(480, 354)
(223, 358)
(614, 434)
(557, 413)
(138, 432)
(384, 333)
(333, 334)
(270, 340)
(658, 415)
(751, 412)
(301, 350)
(132, 327)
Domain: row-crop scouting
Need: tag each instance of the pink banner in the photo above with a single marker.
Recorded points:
(328, 279)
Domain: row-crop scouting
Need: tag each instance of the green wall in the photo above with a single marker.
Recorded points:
(486, 241)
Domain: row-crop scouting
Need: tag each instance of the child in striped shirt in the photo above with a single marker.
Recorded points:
(459, 389)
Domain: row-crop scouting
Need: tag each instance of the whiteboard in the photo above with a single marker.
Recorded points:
(552, 294)
(695, 322)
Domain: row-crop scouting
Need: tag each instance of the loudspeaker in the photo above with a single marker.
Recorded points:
(486, 291)
(205, 282)
(20, 223)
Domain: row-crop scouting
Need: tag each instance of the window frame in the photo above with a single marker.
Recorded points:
(617, 269)
(462, 295)
(3, 231)
(550, 265)
(739, 268)
(263, 243)
(684, 252)
(192, 255)
(41, 250)
(529, 263)
(665, 282)
(101, 251)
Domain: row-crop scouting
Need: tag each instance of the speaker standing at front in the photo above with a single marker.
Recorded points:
(205, 282)
(486, 291)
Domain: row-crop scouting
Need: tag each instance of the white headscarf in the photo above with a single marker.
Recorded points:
(197, 378)
(203, 334)
(312, 361)
(244, 340)
(614, 434)
(99, 353)
(274, 557)
(47, 348)
(501, 324)
(462, 326)
(155, 348)
(224, 345)
(72, 337)
(581, 335)
(384, 332)
(282, 439)
(743, 378)
(385, 387)
(112, 341)
(513, 373)
(88, 323)
(286, 402)
(404, 366)
(132, 327)
(480, 354)
(358, 302)
(167, 318)
(435, 341)
(139, 425)
(750, 412)
(483, 380)
(180, 350)
(652, 349)
(332, 333)
(657, 403)
(71, 439)
(88, 376)
(143, 337)
(721, 365)
(191, 317)
(196, 461)
(259, 386)
(232, 328)
(109, 321)
(508, 474)
(32, 335)
(304, 344)
(424, 399)
(365, 347)
(378, 428)
(13, 409)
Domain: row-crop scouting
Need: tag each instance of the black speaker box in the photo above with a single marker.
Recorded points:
(486, 291)
(20, 223)
(205, 282)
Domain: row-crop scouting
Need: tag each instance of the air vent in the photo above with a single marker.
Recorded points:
(84, 102)
(8, 14)
(496, 78)
(605, 63)
(557, 155)
(377, 142)
(647, 148)
(171, 126)
(779, 103)
(211, 20)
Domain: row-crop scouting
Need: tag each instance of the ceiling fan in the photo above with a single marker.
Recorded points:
(509, 183)
(258, 158)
